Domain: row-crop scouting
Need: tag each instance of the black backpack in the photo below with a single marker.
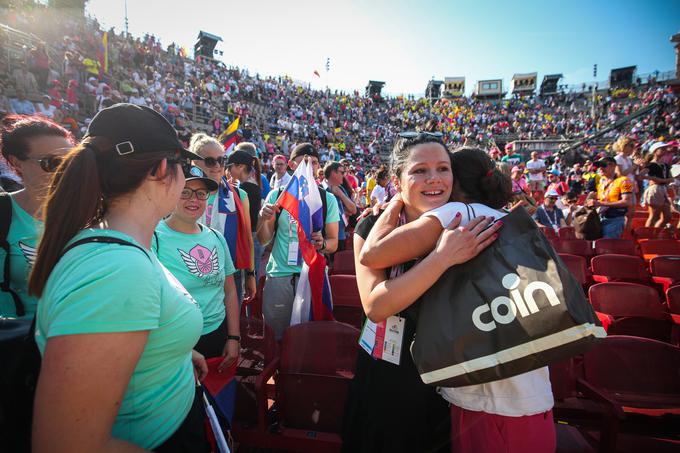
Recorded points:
(5, 223)
(20, 360)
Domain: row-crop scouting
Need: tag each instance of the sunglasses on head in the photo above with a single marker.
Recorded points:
(416, 134)
(49, 164)
(212, 161)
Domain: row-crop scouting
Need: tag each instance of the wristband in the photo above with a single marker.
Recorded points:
(250, 273)
(234, 337)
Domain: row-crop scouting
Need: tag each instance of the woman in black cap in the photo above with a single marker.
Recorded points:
(116, 330)
(199, 257)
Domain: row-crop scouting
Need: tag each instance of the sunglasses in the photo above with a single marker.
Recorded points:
(212, 161)
(183, 161)
(201, 194)
(50, 163)
(416, 134)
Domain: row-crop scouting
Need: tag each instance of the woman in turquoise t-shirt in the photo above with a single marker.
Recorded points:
(199, 257)
(115, 328)
(33, 147)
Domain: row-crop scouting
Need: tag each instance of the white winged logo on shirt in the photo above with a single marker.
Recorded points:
(200, 261)
(29, 252)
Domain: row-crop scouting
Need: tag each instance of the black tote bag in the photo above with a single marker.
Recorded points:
(512, 309)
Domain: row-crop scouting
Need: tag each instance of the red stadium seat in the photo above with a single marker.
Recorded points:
(548, 232)
(616, 246)
(577, 266)
(579, 247)
(566, 233)
(609, 268)
(652, 233)
(673, 302)
(635, 309)
(343, 263)
(317, 365)
(665, 270)
(257, 361)
(347, 306)
(312, 375)
(652, 248)
(253, 307)
(636, 382)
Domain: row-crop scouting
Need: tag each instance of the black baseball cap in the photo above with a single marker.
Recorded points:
(601, 163)
(240, 157)
(136, 129)
(196, 174)
(304, 149)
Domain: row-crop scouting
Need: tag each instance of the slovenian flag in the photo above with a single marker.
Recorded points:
(303, 202)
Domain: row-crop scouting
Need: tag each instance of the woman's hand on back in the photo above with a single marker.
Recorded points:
(459, 244)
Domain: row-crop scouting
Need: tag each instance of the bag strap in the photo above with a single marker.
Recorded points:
(103, 240)
(5, 223)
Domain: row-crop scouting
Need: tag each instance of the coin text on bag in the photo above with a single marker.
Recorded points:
(524, 304)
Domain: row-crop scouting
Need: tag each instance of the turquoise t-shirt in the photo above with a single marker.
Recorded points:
(23, 241)
(200, 262)
(278, 265)
(103, 288)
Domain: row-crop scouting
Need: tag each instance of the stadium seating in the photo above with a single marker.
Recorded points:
(652, 233)
(347, 306)
(613, 267)
(635, 310)
(665, 270)
(343, 263)
(257, 360)
(651, 248)
(615, 246)
(579, 247)
(673, 302)
(549, 233)
(577, 266)
(312, 374)
(636, 381)
(566, 233)
(317, 364)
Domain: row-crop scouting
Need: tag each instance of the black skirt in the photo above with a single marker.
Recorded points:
(389, 409)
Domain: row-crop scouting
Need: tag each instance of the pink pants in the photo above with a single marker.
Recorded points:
(480, 432)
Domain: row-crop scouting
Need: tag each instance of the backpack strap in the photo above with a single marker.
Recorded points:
(324, 209)
(103, 240)
(5, 223)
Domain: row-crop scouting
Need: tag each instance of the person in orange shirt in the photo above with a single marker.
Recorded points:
(614, 198)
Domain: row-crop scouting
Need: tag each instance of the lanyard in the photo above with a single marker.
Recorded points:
(553, 220)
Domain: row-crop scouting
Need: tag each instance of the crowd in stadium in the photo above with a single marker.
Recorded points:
(133, 174)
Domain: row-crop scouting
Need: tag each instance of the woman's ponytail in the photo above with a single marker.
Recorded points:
(74, 202)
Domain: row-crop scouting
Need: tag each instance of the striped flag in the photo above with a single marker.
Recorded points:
(228, 137)
(302, 200)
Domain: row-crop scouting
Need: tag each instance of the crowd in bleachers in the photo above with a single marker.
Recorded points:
(276, 112)
(612, 214)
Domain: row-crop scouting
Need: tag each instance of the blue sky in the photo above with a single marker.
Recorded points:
(405, 43)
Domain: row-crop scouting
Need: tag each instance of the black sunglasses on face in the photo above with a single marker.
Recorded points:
(183, 161)
(415, 134)
(201, 194)
(212, 161)
(49, 164)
